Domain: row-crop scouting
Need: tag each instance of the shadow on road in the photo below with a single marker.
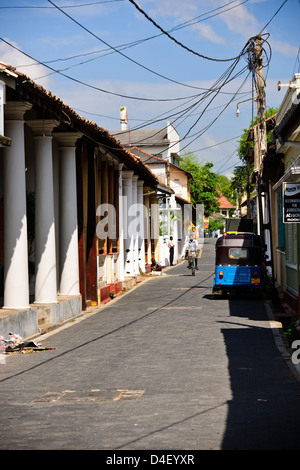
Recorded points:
(264, 411)
(265, 407)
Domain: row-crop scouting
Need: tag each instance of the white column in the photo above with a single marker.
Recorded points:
(68, 233)
(128, 236)
(135, 225)
(147, 219)
(16, 282)
(155, 226)
(121, 259)
(173, 205)
(45, 254)
(141, 234)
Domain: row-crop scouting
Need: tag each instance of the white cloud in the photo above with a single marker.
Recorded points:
(170, 8)
(181, 12)
(240, 21)
(236, 17)
(24, 64)
(284, 48)
(207, 32)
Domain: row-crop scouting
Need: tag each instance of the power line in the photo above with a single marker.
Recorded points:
(154, 119)
(175, 40)
(214, 89)
(63, 6)
(216, 145)
(230, 70)
(224, 79)
(112, 47)
(203, 130)
(195, 20)
(140, 41)
(227, 160)
(226, 169)
(121, 53)
(80, 82)
(297, 62)
(285, 1)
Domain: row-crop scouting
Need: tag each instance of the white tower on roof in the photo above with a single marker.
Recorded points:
(123, 118)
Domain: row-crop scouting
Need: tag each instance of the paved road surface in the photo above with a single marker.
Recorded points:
(163, 367)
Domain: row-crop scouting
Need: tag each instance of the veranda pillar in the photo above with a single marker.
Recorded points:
(16, 279)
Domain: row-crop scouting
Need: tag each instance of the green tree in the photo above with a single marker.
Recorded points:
(239, 181)
(224, 186)
(204, 184)
(216, 222)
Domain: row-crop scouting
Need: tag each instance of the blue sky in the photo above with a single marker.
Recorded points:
(157, 79)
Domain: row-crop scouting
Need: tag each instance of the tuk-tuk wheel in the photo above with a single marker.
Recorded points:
(217, 293)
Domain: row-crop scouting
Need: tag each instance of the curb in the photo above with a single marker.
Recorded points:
(280, 341)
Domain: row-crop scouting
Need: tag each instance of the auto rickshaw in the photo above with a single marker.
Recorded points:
(239, 264)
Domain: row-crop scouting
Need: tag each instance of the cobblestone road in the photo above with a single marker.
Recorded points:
(164, 366)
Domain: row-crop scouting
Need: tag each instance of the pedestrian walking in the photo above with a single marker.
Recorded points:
(171, 250)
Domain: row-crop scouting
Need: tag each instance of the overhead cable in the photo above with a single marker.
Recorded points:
(121, 53)
(62, 6)
(140, 41)
(80, 82)
(277, 11)
(175, 40)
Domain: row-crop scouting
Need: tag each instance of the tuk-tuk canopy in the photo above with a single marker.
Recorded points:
(239, 239)
(240, 249)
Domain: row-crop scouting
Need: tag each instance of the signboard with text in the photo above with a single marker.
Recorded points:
(291, 203)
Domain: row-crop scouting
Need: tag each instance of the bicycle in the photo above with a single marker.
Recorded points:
(192, 261)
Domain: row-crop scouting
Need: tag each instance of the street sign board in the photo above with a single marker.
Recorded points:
(291, 203)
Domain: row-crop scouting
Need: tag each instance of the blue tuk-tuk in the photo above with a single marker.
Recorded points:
(239, 264)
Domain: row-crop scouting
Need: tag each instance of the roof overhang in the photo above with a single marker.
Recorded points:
(165, 190)
(292, 175)
(288, 123)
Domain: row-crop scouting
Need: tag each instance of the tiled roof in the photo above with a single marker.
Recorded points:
(142, 137)
(28, 90)
(147, 158)
(224, 203)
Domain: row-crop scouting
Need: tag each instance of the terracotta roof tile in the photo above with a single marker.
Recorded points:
(224, 203)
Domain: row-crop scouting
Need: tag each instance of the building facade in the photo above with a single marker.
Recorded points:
(286, 235)
(159, 149)
(70, 199)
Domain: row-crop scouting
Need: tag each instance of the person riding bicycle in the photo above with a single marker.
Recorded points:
(192, 245)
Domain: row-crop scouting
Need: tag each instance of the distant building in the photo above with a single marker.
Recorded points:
(159, 149)
(163, 143)
(225, 205)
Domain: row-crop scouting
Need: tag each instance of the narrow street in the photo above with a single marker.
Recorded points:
(164, 366)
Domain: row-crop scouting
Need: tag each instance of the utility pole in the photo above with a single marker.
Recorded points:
(248, 184)
(261, 102)
(260, 144)
(260, 149)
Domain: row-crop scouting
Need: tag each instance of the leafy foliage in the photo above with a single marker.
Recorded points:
(204, 186)
(224, 186)
(239, 180)
(216, 222)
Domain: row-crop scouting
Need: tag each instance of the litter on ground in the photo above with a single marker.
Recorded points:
(15, 343)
